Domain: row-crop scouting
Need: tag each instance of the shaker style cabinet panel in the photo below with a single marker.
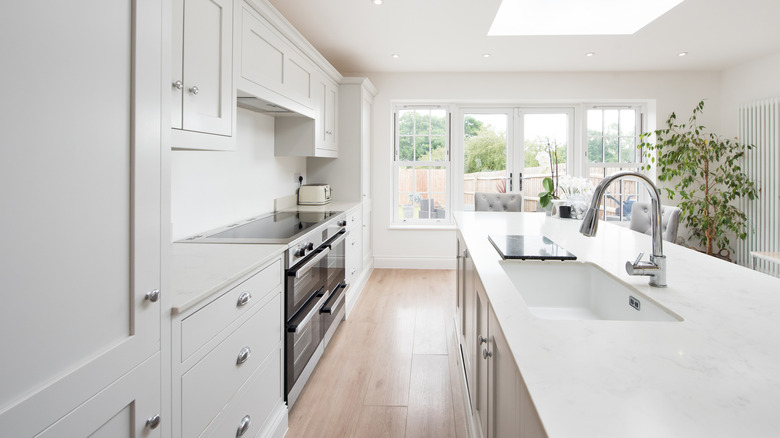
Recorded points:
(269, 63)
(262, 53)
(82, 206)
(203, 104)
(326, 116)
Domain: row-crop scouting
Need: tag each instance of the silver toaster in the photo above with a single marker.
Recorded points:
(314, 194)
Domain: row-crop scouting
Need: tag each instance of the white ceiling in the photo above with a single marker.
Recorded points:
(357, 36)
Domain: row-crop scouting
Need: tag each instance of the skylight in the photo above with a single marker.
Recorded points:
(577, 17)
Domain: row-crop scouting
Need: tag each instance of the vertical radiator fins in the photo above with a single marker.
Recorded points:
(759, 125)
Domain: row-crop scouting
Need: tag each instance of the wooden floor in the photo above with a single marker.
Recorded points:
(391, 368)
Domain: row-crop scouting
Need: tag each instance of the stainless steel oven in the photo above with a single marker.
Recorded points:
(313, 302)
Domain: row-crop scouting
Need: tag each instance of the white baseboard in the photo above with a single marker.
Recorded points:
(415, 262)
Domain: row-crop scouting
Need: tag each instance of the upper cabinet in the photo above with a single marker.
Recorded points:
(203, 105)
(269, 68)
(326, 117)
(279, 73)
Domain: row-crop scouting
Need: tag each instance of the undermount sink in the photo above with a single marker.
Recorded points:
(581, 291)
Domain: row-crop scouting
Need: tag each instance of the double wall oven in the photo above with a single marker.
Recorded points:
(314, 299)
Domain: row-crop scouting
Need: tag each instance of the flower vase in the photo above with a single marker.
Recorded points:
(579, 205)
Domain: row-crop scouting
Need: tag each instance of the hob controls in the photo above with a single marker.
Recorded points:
(341, 223)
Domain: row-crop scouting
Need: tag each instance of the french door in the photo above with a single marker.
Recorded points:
(511, 150)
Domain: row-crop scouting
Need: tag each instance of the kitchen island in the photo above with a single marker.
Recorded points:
(715, 373)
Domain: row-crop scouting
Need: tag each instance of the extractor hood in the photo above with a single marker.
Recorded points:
(283, 108)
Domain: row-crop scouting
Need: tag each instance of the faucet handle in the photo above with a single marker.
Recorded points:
(638, 258)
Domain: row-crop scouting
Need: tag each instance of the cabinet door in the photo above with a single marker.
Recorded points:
(481, 401)
(127, 408)
(365, 149)
(367, 249)
(82, 204)
(262, 53)
(331, 114)
(207, 66)
(504, 386)
(298, 78)
(469, 319)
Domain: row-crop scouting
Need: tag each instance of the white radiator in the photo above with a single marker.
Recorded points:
(759, 125)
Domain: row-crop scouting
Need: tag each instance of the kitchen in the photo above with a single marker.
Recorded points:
(70, 368)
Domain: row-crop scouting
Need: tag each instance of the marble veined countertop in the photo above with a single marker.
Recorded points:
(199, 270)
(715, 374)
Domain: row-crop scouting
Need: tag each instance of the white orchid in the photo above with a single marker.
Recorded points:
(571, 186)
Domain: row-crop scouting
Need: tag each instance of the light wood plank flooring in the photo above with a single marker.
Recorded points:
(391, 368)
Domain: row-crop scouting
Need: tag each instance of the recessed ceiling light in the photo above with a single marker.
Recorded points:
(577, 17)
(681, 54)
(486, 55)
(377, 2)
(589, 54)
(395, 55)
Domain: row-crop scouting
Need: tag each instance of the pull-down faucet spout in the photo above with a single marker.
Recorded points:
(656, 267)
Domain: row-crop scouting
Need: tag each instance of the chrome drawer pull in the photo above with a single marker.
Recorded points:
(243, 355)
(486, 354)
(243, 298)
(243, 426)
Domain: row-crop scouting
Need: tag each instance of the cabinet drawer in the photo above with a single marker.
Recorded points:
(354, 218)
(208, 386)
(204, 324)
(258, 400)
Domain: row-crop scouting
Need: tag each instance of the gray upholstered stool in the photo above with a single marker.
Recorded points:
(498, 201)
(670, 220)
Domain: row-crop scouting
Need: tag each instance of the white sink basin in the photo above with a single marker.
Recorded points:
(581, 291)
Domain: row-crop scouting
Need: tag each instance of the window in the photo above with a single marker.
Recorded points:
(613, 136)
(422, 165)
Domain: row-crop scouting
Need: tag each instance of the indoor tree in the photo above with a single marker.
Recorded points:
(705, 171)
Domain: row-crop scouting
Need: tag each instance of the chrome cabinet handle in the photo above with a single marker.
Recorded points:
(178, 85)
(482, 339)
(243, 355)
(243, 426)
(243, 298)
(194, 89)
(152, 295)
(486, 354)
(153, 421)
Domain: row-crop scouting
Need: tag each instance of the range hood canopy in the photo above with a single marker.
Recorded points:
(254, 103)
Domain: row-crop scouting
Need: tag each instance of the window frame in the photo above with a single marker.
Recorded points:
(396, 219)
(639, 123)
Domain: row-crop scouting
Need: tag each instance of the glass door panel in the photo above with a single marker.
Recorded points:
(545, 148)
(485, 155)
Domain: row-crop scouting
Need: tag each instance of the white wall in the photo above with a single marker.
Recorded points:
(755, 80)
(678, 92)
(212, 189)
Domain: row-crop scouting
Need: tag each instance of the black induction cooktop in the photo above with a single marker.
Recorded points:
(528, 247)
(279, 227)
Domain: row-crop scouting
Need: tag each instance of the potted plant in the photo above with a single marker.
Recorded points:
(549, 185)
(705, 171)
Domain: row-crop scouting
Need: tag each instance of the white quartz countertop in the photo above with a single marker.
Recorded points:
(198, 270)
(715, 374)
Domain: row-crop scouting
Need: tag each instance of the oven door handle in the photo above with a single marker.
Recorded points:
(338, 238)
(293, 327)
(328, 307)
(321, 253)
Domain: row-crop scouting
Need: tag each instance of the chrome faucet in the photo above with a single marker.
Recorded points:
(656, 267)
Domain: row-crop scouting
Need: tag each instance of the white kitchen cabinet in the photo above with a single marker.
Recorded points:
(354, 248)
(203, 97)
(229, 359)
(268, 66)
(326, 117)
(501, 404)
(82, 214)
